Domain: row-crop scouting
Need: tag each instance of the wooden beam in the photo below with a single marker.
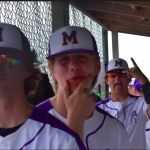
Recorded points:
(87, 13)
(136, 3)
(120, 18)
(129, 31)
(60, 14)
(115, 47)
(134, 8)
(126, 25)
(110, 7)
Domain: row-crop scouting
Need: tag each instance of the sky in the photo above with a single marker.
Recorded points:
(137, 47)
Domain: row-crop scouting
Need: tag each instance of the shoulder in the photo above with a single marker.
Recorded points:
(103, 101)
(46, 105)
(54, 126)
(109, 117)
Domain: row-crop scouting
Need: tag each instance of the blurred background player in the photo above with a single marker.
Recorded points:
(131, 88)
(138, 89)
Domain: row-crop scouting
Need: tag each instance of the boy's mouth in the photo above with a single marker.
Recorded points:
(76, 78)
(118, 85)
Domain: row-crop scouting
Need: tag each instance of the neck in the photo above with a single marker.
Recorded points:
(14, 110)
(58, 103)
(119, 97)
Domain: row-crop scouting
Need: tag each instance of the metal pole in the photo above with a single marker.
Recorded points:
(105, 58)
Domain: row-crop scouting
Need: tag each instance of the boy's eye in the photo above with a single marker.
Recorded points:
(82, 56)
(64, 59)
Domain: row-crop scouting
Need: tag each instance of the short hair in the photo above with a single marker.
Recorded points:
(55, 83)
(31, 83)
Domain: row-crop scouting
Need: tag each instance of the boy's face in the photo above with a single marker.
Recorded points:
(73, 67)
(12, 77)
(118, 84)
(132, 90)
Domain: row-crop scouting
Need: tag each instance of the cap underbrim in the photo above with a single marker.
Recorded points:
(72, 51)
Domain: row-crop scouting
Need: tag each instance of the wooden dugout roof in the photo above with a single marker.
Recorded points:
(131, 17)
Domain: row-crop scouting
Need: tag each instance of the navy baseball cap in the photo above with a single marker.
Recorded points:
(71, 39)
(138, 86)
(117, 64)
(13, 39)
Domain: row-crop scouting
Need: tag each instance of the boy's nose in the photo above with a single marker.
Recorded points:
(74, 65)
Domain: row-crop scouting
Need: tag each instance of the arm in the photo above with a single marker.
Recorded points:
(138, 74)
(79, 104)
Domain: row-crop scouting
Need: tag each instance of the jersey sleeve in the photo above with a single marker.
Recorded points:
(146, 92)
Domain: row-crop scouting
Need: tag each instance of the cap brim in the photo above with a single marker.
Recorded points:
(71, 51)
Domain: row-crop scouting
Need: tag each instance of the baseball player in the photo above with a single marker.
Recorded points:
(74, 65)
(138, 89)
(132, 111)
(23, 126)
(131, 88)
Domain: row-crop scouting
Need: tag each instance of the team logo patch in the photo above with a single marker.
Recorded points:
(1, 37)
(69, 38)
(118, 63)
(133, 117)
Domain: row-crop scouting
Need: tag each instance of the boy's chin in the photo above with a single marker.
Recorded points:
(73, 88)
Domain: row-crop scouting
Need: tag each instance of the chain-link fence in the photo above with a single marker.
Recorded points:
(34, 19)
(77, 18)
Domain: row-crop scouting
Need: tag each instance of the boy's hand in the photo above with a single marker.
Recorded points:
(79, 104)
(135, 72)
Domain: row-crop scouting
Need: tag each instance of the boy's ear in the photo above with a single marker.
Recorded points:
(52, 75)
(98, 68)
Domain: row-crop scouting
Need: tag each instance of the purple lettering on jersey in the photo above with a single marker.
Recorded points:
(70, 38)
(133, 116)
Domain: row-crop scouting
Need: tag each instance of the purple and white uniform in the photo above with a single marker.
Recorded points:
(101, 131)
(132, 114)
(42, 131)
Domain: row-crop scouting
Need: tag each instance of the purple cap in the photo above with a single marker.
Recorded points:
(117, 64)
(12, 38)
(133, 82)
(71, 39)
(138, 86)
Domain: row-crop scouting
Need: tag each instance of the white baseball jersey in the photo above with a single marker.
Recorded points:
(147, 132)
(132, 114)
(101, 131)
(42, 131)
